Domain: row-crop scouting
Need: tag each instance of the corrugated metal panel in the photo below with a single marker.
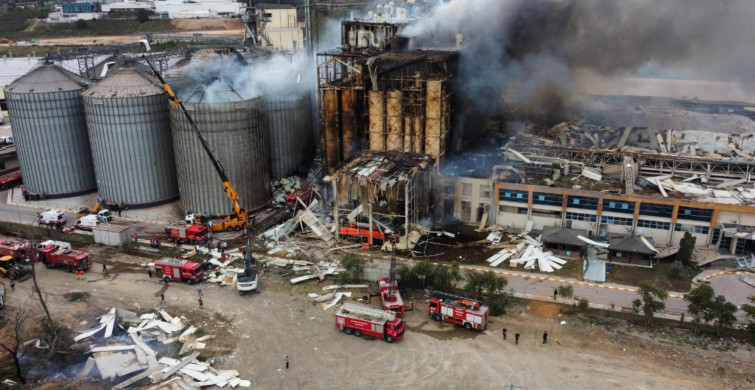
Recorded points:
(291, 141)
(124, 83)
(48, 78)
(131, 141)
(237, 132)
(50, 131)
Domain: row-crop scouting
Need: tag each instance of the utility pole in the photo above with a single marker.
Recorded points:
(308, 29)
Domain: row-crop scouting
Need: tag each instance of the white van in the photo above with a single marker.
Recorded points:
(52, 217)
(87, 222)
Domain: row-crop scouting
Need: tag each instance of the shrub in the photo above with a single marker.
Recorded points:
(676, 271)
(583, 305)
(566, 291)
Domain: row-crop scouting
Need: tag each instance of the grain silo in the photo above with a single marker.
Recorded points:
(235, 128)
(129, 130)
(292, 146)
(47, 117)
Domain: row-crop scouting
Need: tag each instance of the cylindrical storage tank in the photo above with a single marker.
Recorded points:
(332, 132)
(377, 120)
(237, 132)
(348, 124)
(129, 130)
(289, 120)
(395, 139)
(46, 112)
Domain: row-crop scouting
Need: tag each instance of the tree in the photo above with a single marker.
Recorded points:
(81, 24)
(723, 311)
(142, 15)
(652, 300)
(13, 345)
(489, 282)
(444, 278)
(750, 311)
(354, 266)
(700, 303)
(686, 247)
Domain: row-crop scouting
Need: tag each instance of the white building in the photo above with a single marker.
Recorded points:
(283, 29)
(197, 8)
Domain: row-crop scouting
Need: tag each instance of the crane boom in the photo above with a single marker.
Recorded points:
(215, 162)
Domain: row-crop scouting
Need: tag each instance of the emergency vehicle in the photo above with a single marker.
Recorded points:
(179, 270)
(52, 217)
(189, 233)
(458, 310)
(59, 254)
(360, 320)
(19, 251)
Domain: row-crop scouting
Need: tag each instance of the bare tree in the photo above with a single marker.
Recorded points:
(39, 293)
(13, 346)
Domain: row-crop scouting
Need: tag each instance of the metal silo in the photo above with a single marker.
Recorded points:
(235, 129)
(129, 130)
(47, 117)
(289, 120)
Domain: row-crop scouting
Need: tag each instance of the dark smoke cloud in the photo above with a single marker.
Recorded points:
(532, 47)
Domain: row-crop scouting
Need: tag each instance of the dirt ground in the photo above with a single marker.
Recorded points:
(256, 332)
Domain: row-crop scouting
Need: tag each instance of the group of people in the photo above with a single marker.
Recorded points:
(516, 336)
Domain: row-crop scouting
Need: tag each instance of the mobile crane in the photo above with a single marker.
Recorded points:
(237, 219)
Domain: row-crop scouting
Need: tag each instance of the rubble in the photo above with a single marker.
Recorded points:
(283, 187)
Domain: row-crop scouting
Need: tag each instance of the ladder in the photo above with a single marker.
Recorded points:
(317, 227)
(628, 175)
(449, 296)
(367, 311)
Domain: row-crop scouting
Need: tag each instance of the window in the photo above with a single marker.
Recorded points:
(547, 199)
(656, 210)
(680, 227)
(546, 213)
(466, 189)
(616, 221)
(581, 217)
(484, 191)
(618, 206)
(449, 188)
(581, 202)
(693, 214)
(514, 196)
(646, 223)
(716, 234)
(466, 211)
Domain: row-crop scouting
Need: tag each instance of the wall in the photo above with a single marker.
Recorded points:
(468, 197)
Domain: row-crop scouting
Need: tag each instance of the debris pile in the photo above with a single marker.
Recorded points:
(134, 350)
(531, 257)
(331, 299)
(283, 187)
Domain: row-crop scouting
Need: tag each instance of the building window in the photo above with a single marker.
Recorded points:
(449, 188)
(466, 211)
(484, 191)
(514, 196)
(618, 206)
(693, 214)
(716, 235)
(646, 223)
(616, 221)
(466, 189)
(547, 199)
(581, 202)
(546, 213)
(680, 227)
(656, 210)
(581, 217)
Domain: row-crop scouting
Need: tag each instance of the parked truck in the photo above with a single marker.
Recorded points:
(179, 270)
(458, 310)
(187, 233)
(360, 320)
(10, 180)
(20, 251)
(55, 254)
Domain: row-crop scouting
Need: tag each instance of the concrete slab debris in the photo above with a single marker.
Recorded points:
(338, 286)
(595, 243)
(303, 278)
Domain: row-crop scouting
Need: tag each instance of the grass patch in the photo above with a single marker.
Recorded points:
(659, 275)
(28, 29)
(76, 296)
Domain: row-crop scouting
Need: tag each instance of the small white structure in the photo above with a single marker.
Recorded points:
(111, 234)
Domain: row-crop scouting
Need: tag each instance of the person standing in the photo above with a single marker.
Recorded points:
(13, 285)
(136, 237)
(104, 268)
(162, 298)
(149, 272)
(504, 332)
(119, 212)
(287, 361)
(545, 337)
(199, 290)
(555, 293)
(201, 303)
(516, 337)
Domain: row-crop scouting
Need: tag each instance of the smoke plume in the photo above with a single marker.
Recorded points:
(531, 48)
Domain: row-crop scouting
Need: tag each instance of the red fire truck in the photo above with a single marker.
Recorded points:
(179, 270)
(390, 297)
(59, 254)
(357, 319)
(187, 233)
(10, 180)
(458, 310)
(19, 251)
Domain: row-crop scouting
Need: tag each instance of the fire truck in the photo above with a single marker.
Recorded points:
(458, 310)
(389, 294)
(179, 270)
(10, 180)
(357, 319)
(59, 254)
(19, 251)
(186, 232)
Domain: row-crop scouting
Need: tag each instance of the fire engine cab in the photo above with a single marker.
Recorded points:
(458, 310)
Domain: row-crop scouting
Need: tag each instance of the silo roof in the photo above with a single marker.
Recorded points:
(48, 78)
(124, 83)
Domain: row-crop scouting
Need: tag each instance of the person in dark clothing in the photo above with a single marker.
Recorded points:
(13, 285)
(555, 293)
(201, 303)
(162, 298)
(104, 268)
(504, 332)
(516, 337)
(545, 337)
(287, 360)
(149, 272)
